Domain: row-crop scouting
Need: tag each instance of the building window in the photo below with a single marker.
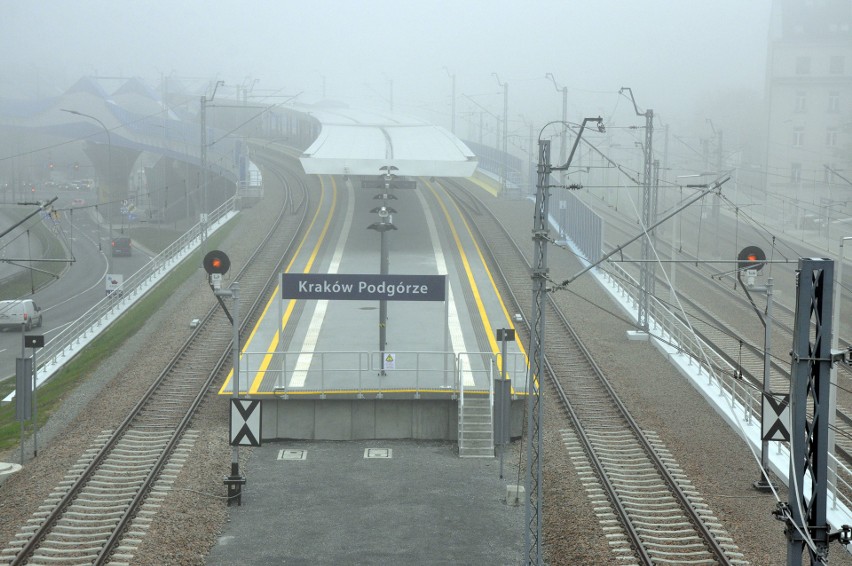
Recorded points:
(800, 105)
(834, 102)
(798, 137)
(803, 65)
(831, 137)
(836, 65)
(795, 173)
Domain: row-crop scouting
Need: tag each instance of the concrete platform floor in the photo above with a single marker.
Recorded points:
(421, 505)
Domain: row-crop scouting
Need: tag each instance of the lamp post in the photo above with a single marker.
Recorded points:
(716, 204)
(529, 176)
(564, 138)
(452, 102)
(384, 224)
(764, 483)
(505, 132)
(482, 113)
(109, 172)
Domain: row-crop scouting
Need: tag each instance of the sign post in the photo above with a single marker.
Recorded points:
(34, 342)
(23, 394)
(217, 263)
(114, 284)
(751, 259)
(502, 395)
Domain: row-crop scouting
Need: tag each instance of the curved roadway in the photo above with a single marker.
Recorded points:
(82, 283)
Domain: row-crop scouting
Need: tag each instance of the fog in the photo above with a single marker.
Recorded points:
(689, 60)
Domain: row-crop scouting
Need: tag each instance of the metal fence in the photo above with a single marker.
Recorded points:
(743, 402)
(582, 225)
(61, 348)
(362, 373)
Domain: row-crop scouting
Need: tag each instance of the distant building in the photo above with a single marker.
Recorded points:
(809, 110)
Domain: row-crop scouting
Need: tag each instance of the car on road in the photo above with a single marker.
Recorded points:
(20, 313)
(121, 246)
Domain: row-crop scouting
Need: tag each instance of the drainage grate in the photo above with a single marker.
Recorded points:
(378, 453)
(292, 454)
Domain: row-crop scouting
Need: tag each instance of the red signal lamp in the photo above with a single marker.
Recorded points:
(216, 262)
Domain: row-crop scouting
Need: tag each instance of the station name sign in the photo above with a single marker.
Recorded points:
(366, 287)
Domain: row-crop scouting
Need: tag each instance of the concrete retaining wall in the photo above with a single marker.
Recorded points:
(360, 419)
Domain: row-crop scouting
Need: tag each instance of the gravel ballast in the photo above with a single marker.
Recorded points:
(716, 460)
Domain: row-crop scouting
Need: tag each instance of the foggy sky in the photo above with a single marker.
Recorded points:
(674, 54)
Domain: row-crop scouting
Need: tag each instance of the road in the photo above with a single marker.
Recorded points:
(82, 283)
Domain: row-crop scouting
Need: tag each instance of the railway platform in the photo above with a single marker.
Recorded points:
(320, 366)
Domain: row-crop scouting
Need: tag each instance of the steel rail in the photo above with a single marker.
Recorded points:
(67, 500)
(259, 299)
(639, 545)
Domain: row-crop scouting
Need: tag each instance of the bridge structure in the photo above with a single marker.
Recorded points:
(145, 146)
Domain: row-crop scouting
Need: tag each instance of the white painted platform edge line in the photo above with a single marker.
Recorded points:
(303, 363)
(453, 321)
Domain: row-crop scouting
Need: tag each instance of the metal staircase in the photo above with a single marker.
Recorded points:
(476, 426)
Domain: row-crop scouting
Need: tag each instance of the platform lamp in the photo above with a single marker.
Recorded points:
(384, 225)
(109, 172)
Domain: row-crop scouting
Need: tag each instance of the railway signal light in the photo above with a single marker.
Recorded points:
(217, 262)
(751, 257)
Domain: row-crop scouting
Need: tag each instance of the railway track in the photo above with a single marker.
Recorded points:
(656, 508)
(728, 323)
(90, 517)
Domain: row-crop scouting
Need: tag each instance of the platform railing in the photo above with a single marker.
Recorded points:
(460, 389)
(77, 334)
(669, 328)
(364, 373)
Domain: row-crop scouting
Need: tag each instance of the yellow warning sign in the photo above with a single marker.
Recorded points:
(389, 362)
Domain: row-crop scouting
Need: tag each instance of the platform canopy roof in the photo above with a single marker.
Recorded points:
(355, 142)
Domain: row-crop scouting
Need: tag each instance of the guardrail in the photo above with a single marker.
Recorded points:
(62, 347)
(667, 327)
(363, 373)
